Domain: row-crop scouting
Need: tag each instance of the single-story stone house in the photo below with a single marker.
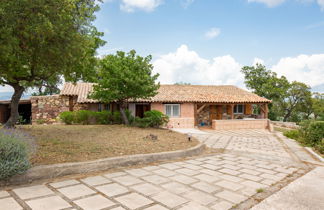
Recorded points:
(188, 106)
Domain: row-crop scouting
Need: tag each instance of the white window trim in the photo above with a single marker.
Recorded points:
(235, 111)
(165, 105)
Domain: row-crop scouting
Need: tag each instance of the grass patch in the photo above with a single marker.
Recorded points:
(74, 143)
(260, 190)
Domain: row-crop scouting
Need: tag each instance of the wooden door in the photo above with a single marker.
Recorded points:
(212, 112)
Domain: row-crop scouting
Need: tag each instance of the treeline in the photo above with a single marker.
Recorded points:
(291, 101)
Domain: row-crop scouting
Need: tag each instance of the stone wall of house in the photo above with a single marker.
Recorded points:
(45, 109)
(204, 116)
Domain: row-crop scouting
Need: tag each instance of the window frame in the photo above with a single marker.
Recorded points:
(236, 109)
(106, 107)
(172, 105)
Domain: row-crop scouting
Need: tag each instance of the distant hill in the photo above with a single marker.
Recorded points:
(7, 95)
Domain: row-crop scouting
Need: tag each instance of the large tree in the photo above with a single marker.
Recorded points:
(125, 76)
(42, 40)
(318, 105)
(266, 83)
(299, 96)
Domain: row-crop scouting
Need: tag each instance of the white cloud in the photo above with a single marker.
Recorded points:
(146, 5)
(186, 65)
(304, 68)
(321, 4)
(212, 33)
(5, 88)
(269, 3)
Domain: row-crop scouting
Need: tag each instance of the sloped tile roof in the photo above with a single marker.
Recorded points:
(80, 89)
(178, 94)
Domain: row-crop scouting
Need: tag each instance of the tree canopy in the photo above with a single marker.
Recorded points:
(290, 100)
(41, 40)
(125, 76)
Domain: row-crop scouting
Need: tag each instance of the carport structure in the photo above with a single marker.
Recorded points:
(24, 110)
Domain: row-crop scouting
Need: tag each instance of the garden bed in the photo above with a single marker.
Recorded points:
(75, 143)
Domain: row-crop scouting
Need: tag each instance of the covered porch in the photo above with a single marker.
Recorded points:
(230, 116)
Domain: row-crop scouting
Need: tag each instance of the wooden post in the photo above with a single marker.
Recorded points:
(232, 112)
(195, 115)
(266, 110)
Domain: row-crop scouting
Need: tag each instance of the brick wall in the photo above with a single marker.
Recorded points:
(186, 119)
(240, 124)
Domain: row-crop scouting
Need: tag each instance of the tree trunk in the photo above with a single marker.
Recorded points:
(14, 115)
(122, 109)
(286, 116)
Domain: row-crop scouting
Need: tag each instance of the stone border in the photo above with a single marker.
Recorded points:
(58, 170)
(310, 150)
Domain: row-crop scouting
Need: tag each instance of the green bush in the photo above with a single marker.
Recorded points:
(67, 117)
(103, 117)
(152, 118)
(292, 134)
(86, 117)
(312, 132)
(116, 118)
(13, 155)
(83, 117)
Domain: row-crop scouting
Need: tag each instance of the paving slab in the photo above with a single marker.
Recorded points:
(9, 203)
(146, 189)
(200, 197)
(64, 183)
(33, 191)
(95, 180)
(4, 194)
(193, 206)
(76, 191)
(95, 202)
(112, 189)
(303, 194)
(169, 199)
(133, 200)
(48, 203)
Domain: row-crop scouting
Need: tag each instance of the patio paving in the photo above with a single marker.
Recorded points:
(217, 181)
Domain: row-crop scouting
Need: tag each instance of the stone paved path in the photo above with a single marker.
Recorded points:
(218, 181)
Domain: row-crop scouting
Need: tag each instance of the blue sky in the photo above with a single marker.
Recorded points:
(208, 41)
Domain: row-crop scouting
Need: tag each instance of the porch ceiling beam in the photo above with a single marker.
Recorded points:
(201, 108)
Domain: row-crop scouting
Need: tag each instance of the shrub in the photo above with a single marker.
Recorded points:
(292, 134)
(67, 117)
(152, 118)
(312, 132)
(83, 117)
(103, 117)
(13, 154)
(116, 118)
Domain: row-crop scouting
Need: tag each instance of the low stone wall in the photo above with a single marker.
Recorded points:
(58, 170)
(181, 123)
(45, 109)
(290, 125)
(240, 124)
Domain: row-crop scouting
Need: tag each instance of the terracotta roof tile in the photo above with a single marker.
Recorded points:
(178, 93)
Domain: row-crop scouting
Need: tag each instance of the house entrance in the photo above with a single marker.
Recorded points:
(140, 109)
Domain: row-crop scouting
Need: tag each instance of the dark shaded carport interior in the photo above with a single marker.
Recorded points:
(24, 110)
